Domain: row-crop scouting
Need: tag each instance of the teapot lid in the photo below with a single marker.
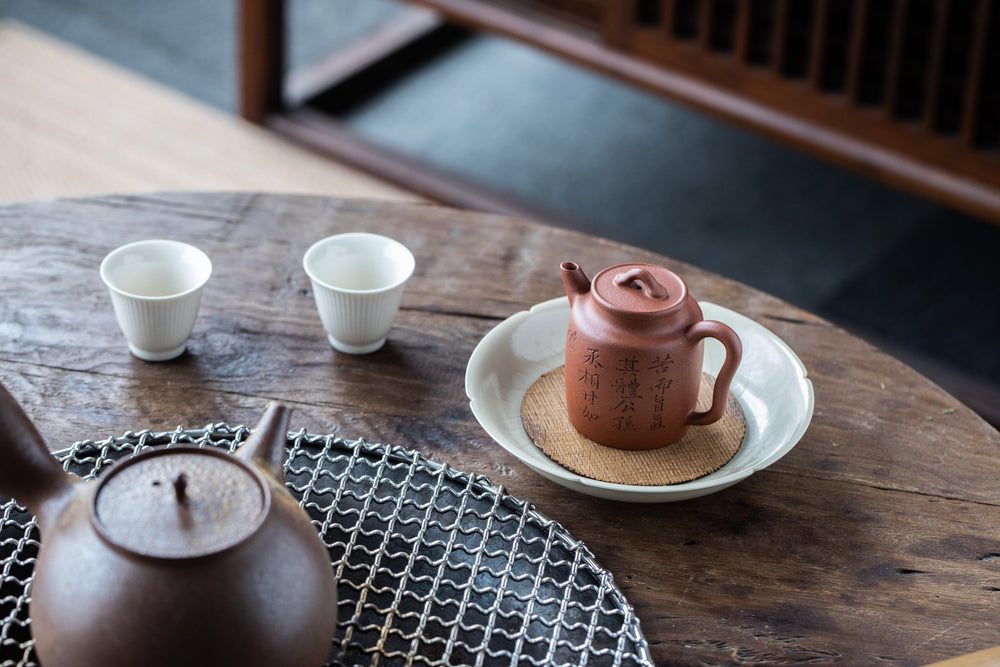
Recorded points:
(640, 289)
(179, 502)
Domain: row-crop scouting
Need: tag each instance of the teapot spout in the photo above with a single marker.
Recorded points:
(576, 282)
(29, 474)
(266, 446)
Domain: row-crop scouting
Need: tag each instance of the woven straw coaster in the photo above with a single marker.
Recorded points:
(702, 450)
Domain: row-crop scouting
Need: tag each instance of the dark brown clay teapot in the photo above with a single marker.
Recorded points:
(174, 556)
(634, 356)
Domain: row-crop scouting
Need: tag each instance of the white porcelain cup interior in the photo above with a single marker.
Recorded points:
(358, 280)
(359, 262)
(156, 269)
(156, 287)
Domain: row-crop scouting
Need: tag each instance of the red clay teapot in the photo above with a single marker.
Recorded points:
(634, 355)
(174, 556)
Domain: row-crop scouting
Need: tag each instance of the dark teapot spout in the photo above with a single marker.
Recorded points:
(266, 446)
(28, 471)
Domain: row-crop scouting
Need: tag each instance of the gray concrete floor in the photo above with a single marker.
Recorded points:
(916, 277)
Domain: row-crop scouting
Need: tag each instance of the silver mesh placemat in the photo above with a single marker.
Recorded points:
(435, 566)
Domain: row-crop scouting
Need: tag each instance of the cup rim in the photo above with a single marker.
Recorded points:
(389, 241)
(105, 268)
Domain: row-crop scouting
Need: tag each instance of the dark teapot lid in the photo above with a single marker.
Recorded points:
(179, 502)
(640, 289)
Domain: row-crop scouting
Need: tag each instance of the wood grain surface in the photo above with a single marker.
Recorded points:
(874, 541)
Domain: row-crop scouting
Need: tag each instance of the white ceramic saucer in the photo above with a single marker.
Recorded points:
(770, 385)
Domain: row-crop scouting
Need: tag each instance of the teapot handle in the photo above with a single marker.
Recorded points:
(29, 473)
(734, 352)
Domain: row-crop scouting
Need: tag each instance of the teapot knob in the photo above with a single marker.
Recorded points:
(644, 280)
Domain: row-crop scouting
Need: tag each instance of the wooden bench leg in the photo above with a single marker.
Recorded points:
(261, 57)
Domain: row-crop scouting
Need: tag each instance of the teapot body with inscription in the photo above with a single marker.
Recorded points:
(173, 556)
(634, 353)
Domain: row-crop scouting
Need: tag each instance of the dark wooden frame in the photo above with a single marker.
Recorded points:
(607, 36)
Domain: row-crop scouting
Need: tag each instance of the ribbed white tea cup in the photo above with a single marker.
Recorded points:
(156, 288)
(358, 280)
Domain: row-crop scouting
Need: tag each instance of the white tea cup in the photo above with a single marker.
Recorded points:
(156, 288)
(358, 280)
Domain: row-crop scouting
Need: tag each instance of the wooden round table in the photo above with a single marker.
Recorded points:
(875, 539)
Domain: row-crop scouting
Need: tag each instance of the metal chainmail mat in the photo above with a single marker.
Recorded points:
(435, 566)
